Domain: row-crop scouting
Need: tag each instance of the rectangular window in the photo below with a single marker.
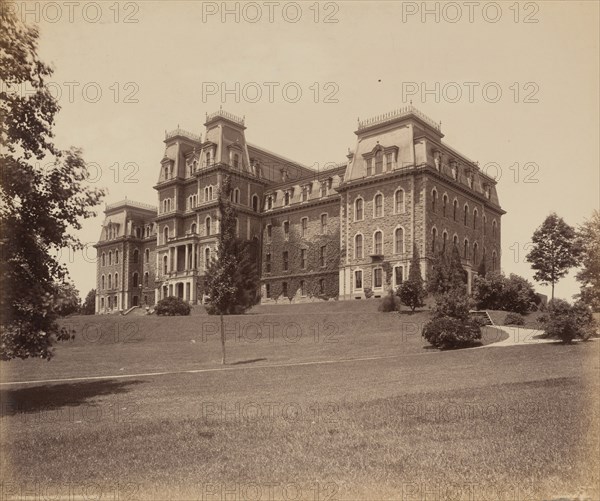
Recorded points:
(302, 288)
(286, 230)
(377, 278)
(304, 226)
(323, 223)
(322, 286)
(284, 290)
(322, 255)
(303, 258)
(378, 162)
(285, 261)
(369, 166)
(389, 160)
(269, 233)
(358, 279)
(268, 263)
(268, 291)
(398, 276)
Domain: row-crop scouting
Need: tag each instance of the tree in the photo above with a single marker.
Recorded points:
(67, 299)
(38, 206)
(448, 274)
(412, 293)
(589, 275)
(554, 251)
(89, 304)
(232, 278)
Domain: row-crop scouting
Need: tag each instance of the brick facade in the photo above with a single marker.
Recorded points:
(346, 232)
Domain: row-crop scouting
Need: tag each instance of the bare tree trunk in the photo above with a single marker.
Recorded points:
(222, 340)
(552, 290)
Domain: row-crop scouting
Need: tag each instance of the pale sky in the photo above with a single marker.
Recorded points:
(171, 65)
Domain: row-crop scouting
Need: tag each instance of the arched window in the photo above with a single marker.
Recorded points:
(109, 281)
(147, 255)
(444, 205)
(475, 253)
(399, 201)
(207, 225)
(454, 209)
(103, 259)
(236, 195)
(494, 260)
(433, 200)
(116, 280)
(358, 246)
(255, 203)
(399, 241)
(433, 239)
(206, 258)
(286, 198)
(146, 279)
(466, 215)
(116, 257)
(455, 241)
(236, 161)
(444, 240)
(134, 280)
(475, 219)
(207, 158)
(136, 256)
(166, 234)
(378, 205)
(102, 281)
(494, 225)
(109, 258)
(165, 264)
(138, 232)
(193, 228)
(378, 242)
(358, 209)
(466, 249)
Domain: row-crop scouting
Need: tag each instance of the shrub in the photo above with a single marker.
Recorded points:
(498, 292)
(389, 303)
(514, 319)
(481, 322)
(171, 306)
(566, 322)
(446, 332)
(454, 304)
(412, 294)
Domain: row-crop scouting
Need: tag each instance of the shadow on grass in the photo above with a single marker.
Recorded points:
(55, 396)
(251, 361)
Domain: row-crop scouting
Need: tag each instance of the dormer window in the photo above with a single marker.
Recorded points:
(378, 162)
(369, 167)
(389, 161)
(236, 161)
(286, 198)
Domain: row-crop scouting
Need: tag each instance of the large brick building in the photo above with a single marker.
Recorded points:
(347, 231)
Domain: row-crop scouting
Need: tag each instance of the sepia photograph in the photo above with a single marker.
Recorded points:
(299, 250)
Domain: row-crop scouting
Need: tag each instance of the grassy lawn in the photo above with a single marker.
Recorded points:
(409, 423)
